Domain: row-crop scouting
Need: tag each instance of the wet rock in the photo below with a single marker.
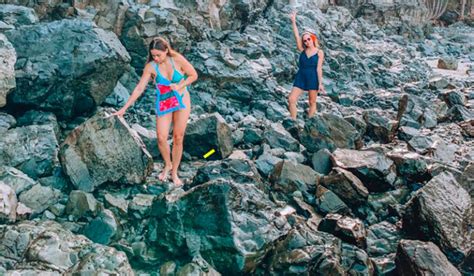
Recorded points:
(448, 63)
(8, 203)
(347, 186)
(328, 202)
(72, 53)
(90, 158)
(382, 239)
(421, 258)
(210, 132)
(7, 121)
(7, 79)
(328, 131)
(288, 177)
(439, 212)
(277, 137)
(321, 161)
(374, 169)
(379, 126)
(31, 149)
(228, 224)
(39, 198)
(81, 204)
(346, 228)
(16, 179)
(102, 229)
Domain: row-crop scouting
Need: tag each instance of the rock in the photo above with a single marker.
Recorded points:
(230, 225)
(7, 67)
(288, 177)
(205, 134)
(358, 122)
(467, 267)
(410, 165)
(328, 131)
(17, 15)
(294, 157)
(433, 146)
(39, 198)
(448, 63)
(321, 161)
(422, 258)
(32, 149)
(16, 179)
(81, 204)
(85, 60)
(458, 113)
(453, 98)
(405, 133)
(439, 212)
(195, 268)
(34, 117)
(277, 137)
(416, 112)
(266, 163)
(328, 202)
(90, 158)
(150, 140)
(116, 202)
(168, 268)
(355, 261)
(102, 229)
(376, 171)
(119, 96)
(252, 136)
(438, 83)
(346, 228)
(347, 186)
(385, 265)
(382, 239)
(468, 127)
(386, 206)
(8, 203)
(379, 127)
(7, 121)
(140, 206)
(23, 212)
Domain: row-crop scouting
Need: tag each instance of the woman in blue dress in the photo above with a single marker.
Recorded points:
(310, 74)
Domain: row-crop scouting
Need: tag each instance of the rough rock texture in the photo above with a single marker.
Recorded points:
(347, 186)
(288, 177)
(39, 198)
(90, 158)
(8, 203)
(346, 228)
(17, 16)
(7, 67)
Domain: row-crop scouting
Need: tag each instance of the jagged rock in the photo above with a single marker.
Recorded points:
(439, 212)
(433, 146)
(32, 149)
(35, 117)
(118, 97)
(458, 113)
(7, 121)
(102, 229)
(328, 131)
(328, 202)
(17, 15)
(405, 133)
(81, 204)
(22, 212)
(205, 134)
(467, 267)
(8, 203)
(140, 206)
(16, 179)
(453, 98)
(116, 202)
(468, 127)
(355, 261)
(230, 225)
(376, 171)
(379, 127)
(39, 198)
(288, 177)
(104, 150)
(83, 61)
(410, 165)
(7, 67)
(321, 161)
(168, 268)
(438, 83)
(252, 135)
(358, 122)
(386, 206)
(347, 186)
(346, 228)
(422, 258)
(384, 265)
(416, 112)
(277, 137)
(266, 163)
(382, 239)
(201, 268)
(149, 139)
(448, 63)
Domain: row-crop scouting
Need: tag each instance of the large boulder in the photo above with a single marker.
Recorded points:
(347, 186)
(16, 179)
(374, 169)
(439, 212)
(379, 126)
(31, 149)
(67, 66)
(230, 225)
(288, 177)
(328, 131)
(348, 229)
(7, 67)
(422, 258)
(205, 134)
(45, 248)
(104, 150)
(39, 198)
(277, 137)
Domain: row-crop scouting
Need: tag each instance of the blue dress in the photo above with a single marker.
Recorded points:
(307, 77)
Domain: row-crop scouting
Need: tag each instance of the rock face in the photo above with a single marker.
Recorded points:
(218, 220)
(45, 247)
(422, 258)
(7, 67)
(104, 149)
(71, 65)
(439, 212)
(347, 186)
(210, 132)
(8, 203)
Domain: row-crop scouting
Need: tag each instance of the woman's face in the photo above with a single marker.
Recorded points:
(158, 56)
(307, 41)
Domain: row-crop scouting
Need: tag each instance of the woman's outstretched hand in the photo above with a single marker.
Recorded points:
(293, 16)
(119, 113)
(322, 89)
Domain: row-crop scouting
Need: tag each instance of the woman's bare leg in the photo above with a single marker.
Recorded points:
(293, 100)
(180, 121)
(162, 131)
(313, 96)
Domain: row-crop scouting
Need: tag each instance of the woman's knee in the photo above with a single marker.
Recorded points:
(292, 99)
(178, 138)
(162, 139)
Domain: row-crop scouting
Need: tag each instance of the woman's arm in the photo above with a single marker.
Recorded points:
(295, 31)
(320, 69)
(142, 84)
(188, 69)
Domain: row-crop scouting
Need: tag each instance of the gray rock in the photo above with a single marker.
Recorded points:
(218, 220)
(438, 83)
(374, 169)
(118, 97)
(433, 146)
(382, 239)
(468, 127)
(150, 140)
(405, 133)
(355, 261)
(252, 136)
(328, 131)
(16, 179)
(117, 203)
(458, 113)
(266, 163)
(347, 186)
(448, 63)
(140, 206)
(410, 165)
(8, 203)
(288, 177)
(453, 98)
(102, 229)
(439, 212)
(205, 134)
(32, 149)
(17, 15)
(321, 161)
(90, 158)
(81, 204)
(7, 67)
(277, 137)
(379, 126)
(416, 112)
(39, 198)
(385, 265)
(346, 228)
(35, 117)
(328, 202)
(195, 268)
(75, 56)
(7, 121)
(422, 258)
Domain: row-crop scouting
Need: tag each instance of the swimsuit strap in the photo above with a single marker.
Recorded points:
(157, 69)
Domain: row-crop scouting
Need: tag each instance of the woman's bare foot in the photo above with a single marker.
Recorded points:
(163, 176)
(176, 181)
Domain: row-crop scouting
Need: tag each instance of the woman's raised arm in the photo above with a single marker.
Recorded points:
(295, 31)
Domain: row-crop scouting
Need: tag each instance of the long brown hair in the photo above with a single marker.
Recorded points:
(161, 44)
(313, 37)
